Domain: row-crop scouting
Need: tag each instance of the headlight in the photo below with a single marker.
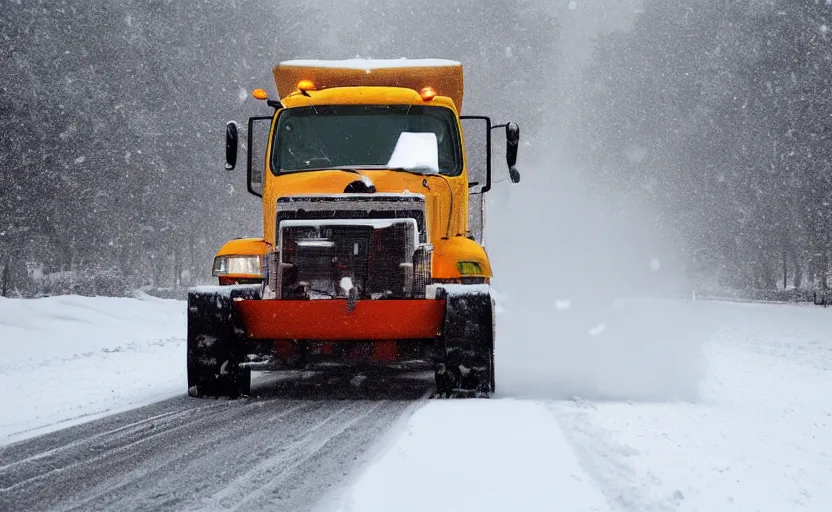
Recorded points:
(469, 268)
(238, 266)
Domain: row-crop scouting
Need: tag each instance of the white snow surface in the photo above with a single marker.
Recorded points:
(70, 359)
(688, 406)
(673, 405)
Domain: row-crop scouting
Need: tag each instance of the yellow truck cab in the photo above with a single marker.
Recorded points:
(372, 245)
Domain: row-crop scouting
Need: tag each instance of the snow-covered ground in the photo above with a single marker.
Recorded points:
(643, 405)
(639, 405)
(70, 359)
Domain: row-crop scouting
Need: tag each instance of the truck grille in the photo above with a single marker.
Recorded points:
(355, 206)
(377, 257)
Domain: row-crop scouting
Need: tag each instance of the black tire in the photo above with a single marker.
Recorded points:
(493, 344)
(467, 369)
(493, 373)
(213, 367)
(215, 344)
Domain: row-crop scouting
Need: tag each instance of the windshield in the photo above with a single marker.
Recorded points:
(320, 137)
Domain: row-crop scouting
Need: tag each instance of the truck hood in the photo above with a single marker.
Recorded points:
(439, 194)
(334, 182)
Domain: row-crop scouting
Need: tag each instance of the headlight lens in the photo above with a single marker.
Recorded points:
(238, 265)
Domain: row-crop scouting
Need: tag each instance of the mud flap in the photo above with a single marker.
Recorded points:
(467, 342)
(216, 341)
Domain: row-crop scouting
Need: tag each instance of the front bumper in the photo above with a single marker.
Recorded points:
(332, 320)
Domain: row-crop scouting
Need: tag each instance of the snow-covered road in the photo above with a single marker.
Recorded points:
(274, 452)
(693, 406)
(635, 405)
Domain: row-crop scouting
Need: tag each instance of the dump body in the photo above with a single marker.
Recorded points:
(444, 76)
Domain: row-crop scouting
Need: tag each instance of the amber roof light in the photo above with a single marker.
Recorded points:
(306, 85)
(427, 93)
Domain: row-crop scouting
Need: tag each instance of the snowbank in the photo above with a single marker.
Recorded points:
(624, 349)
(758, 438)
(69, 359)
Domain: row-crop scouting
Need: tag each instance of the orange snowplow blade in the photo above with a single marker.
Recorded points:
(329, 320)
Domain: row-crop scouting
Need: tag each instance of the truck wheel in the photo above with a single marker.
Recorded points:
(215, 344)
(493, 373)
(467, 368)
(213, 367)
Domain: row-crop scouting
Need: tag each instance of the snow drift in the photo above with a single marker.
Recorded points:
(68, 359)
(636, 349)
(592, 292)
(758, 438)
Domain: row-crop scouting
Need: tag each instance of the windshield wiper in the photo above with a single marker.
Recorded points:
(375, 167)
(345, 168)
(422, 171)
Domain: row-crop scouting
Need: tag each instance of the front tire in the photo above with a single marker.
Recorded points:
(467, 366)
(215, 344)
(213, 367)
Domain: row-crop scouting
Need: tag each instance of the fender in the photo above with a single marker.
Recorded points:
(244, 247)
(240, 247)
(460, 257)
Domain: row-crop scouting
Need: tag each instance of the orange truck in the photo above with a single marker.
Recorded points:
(372, 251)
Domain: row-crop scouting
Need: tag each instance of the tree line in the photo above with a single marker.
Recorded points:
(719, 114)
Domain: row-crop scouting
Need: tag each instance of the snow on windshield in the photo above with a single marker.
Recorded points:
(416, 152)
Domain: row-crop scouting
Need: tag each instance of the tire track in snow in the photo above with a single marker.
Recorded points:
(132, 484)
(128, 428)
(608, 462)
(273, 452)
(90, 451)
(267, 477)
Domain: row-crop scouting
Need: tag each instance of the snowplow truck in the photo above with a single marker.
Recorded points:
(372, 251)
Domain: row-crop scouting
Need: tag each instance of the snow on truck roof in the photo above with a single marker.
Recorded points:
(365, 64)
(444, 76)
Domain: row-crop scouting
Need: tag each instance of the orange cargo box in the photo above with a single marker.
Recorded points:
(444, 76)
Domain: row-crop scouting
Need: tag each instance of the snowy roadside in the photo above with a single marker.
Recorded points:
(70, 359)
(634, 405)
(756, 435)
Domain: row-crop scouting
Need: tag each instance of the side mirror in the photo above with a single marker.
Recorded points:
(231, 143)
(512, 144)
